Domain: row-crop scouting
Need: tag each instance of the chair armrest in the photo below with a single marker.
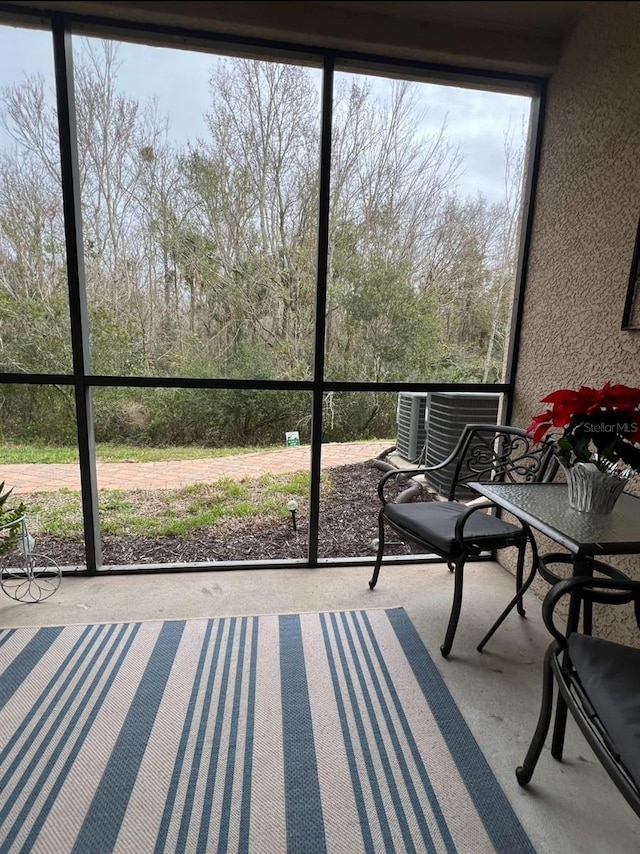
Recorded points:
(386, 476)
(605, 591)
(424, 469)
(462, 520)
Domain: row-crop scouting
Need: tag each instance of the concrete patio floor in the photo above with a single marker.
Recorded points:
(570, 807)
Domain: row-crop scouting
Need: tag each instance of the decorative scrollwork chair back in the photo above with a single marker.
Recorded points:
(456, 531)
(505, 454)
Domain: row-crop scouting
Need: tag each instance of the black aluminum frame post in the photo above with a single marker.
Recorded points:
(70, 174)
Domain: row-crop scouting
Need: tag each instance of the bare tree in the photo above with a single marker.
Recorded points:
(204, 259)
(508, 219)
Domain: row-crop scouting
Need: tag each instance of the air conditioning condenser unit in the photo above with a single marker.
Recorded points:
(448, 414)
(411, 416)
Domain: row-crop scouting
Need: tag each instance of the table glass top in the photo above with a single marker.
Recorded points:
(545, 507)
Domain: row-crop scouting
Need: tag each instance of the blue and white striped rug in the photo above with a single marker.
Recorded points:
(300, 733)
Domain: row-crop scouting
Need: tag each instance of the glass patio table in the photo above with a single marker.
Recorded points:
(545, 507)
(586, 536)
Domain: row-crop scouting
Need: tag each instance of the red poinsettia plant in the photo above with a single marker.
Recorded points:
(600, 426)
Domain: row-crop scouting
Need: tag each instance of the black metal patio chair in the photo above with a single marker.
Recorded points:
(457, 531)
(597, 679)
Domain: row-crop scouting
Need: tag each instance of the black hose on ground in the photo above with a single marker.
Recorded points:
(411, 492)
(380, 464)
(386, 452)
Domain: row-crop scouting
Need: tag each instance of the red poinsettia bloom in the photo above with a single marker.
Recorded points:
(540, 424)
(596, 424)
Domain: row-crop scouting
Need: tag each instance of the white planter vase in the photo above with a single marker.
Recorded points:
(591, 490)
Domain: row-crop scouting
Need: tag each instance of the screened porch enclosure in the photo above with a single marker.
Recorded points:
(207, 250)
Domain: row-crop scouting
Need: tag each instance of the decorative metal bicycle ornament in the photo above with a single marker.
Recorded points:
(24, 575)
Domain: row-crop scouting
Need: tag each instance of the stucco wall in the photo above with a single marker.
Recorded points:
(586, 213)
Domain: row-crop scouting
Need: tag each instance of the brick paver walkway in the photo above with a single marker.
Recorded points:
(173, 474)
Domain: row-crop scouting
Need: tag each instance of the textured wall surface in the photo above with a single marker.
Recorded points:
(586, 214)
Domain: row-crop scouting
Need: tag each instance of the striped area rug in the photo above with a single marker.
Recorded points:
(300, 733)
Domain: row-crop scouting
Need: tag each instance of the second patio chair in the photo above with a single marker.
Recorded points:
(457, 531)
(597, 681)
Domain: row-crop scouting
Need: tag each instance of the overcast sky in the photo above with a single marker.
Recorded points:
(180, 82)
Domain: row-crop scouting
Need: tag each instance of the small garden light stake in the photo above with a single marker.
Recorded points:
(292, 506)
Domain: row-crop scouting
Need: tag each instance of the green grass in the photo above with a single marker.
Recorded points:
(165, 513)
(110, 453)
(160, 513)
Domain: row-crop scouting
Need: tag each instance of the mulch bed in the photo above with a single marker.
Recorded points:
(348, 524)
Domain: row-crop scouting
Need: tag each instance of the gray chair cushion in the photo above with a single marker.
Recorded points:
(610, 675)
(434, 522)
